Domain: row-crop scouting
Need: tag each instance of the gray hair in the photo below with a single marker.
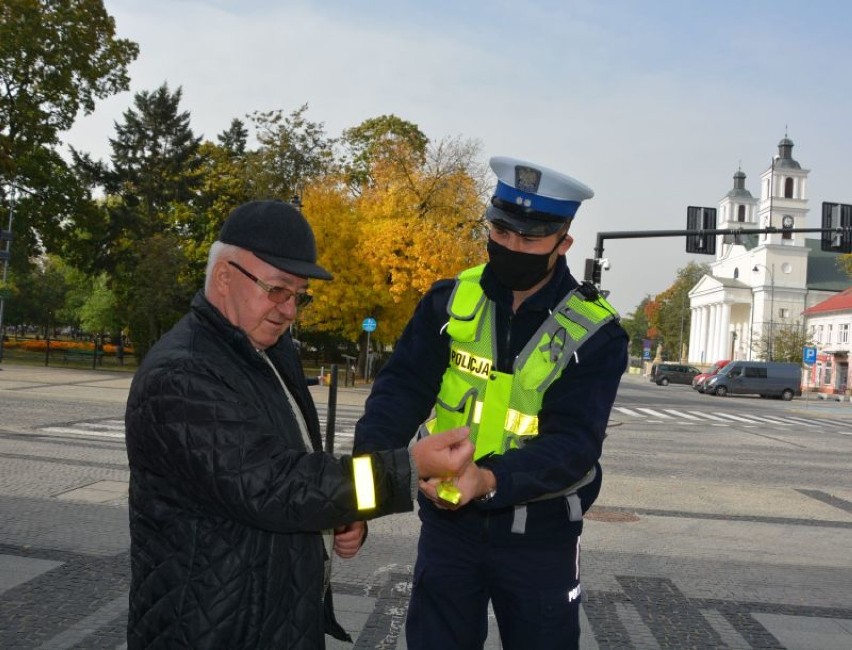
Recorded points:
(219, 251)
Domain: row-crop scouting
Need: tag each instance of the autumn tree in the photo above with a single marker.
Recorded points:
(413, 219)
(671, 318)
(845, 263)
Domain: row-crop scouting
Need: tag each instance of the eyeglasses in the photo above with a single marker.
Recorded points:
(278, 295)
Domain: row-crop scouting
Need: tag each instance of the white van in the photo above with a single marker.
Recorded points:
(764, 378)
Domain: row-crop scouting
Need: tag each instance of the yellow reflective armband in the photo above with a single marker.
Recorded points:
(447, 491)
(365, 489)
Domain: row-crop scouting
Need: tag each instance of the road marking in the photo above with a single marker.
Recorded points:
(654, 413)
(709, 416)
(681, 414)
(84, 432)
(627, 411)
(810, 423)
(761, 418)
(734, 417)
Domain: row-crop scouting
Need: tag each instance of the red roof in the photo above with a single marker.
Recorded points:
(841, 302)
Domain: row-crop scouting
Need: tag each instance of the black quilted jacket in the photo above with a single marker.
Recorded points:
(225, 503)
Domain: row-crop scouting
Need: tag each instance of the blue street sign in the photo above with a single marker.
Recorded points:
(809, 355)
(369, 325)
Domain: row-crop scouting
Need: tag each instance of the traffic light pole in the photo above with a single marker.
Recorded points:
(595, 268)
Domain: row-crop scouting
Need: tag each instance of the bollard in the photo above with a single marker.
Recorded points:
(332, 410)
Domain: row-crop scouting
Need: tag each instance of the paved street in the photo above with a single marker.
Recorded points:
(723, 522)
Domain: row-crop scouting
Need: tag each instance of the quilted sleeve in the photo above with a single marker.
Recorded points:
(198, 439)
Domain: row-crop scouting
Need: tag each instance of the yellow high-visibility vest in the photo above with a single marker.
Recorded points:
(502, 409)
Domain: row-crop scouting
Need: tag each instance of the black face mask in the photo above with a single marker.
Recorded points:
(518, 271)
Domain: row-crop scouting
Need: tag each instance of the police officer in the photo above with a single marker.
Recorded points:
(530, 360)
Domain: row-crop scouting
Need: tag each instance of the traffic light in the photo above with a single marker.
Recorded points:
(701, 219)
(836, 228)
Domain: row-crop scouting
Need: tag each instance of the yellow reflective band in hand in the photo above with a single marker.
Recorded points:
(365, 489)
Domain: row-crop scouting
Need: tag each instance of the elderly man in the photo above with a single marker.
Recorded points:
(234, 508)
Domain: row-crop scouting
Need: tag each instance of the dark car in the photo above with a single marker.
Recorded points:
(664, 374)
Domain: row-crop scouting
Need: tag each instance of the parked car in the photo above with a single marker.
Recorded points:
(698, 380)
(764, 378)
(664, 374)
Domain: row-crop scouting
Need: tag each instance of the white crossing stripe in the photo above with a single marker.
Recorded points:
(85, 432)
(655, 413)
(709, 416)
(734, 417)
(681, 414)
(810, 423)
(627, 411)
(770, 420)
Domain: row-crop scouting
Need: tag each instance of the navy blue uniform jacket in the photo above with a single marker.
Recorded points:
(572, 421)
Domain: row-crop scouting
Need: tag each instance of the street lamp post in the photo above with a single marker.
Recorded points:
(771, 273)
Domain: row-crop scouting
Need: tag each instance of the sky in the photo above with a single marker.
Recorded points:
(654, 104)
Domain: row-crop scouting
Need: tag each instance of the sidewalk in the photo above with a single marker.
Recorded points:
(679, 557)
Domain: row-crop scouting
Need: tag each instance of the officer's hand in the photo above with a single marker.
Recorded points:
(443, 454)
(348, 538)
(475, 482)
(472, 483)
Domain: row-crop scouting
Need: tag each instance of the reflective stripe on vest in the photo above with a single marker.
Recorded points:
(502, 409)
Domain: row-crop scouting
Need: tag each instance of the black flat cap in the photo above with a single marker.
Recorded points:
(278, 234)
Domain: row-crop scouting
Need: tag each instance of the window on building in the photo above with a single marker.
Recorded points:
(740, 213)
(783, 312)
(788, 188)
(829, 330)
(843, 333)
(818, 334)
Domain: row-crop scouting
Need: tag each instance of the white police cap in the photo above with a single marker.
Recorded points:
(531, 199)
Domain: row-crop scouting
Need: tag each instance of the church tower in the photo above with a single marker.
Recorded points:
(784, 197)
(738, 209)
(780, 261)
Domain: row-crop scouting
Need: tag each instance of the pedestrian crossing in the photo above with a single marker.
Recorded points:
(344, 428)
(647, 415)
(347, 416)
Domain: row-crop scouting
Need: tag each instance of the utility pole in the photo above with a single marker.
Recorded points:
(5, 255)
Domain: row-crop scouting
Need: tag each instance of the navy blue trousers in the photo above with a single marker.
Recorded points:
(535, 593)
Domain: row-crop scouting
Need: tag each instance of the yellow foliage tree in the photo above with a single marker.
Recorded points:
(414, 223)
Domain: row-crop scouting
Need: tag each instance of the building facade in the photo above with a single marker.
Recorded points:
(760, 285)
(828, 325)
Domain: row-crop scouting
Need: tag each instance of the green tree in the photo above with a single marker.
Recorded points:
(56, 59)
(786, 343)
(293, 152)
(155, 160)
(672, 319)
(158, 294)
(38, 295)
(98, 312)
(234, 138)
(381, 141)
(153, 184)
(636, 325)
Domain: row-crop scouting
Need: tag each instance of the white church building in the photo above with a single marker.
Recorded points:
(763, 283)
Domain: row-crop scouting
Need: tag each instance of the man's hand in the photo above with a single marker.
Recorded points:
(348, 538)
(443, 454)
